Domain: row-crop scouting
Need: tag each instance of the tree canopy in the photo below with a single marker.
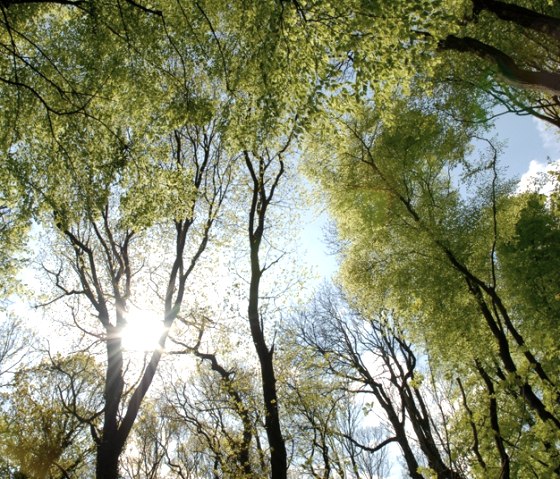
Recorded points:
(155, 157)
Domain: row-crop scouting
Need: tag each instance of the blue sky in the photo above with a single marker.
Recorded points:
(530, 144)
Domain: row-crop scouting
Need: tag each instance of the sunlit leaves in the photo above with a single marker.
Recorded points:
(45, 417)
(154, 194)
(529, 265)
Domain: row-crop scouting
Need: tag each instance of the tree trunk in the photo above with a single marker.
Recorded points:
(278, 455)
(107, 466)
(109, 446)
(260, 201)
(402, 439)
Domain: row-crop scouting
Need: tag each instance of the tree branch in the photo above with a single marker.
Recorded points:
(547, 82)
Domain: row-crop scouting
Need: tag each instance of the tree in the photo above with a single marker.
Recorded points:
(15, 353)
(47, 414)
(43, 79)
(413, 243)
(264, 181)
(150, 443)
(124, 175)
(15, 347)
(219, 404)
(529, 261)
(373, 356)
(219, 420)
(325, 412)
(207, 185)
(500, 53)
(106, 217)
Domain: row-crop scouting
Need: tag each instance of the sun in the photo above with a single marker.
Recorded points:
(143, 330)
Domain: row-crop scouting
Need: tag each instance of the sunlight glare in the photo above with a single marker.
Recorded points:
(143, 331)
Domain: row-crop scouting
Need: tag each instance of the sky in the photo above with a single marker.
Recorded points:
(531, 145)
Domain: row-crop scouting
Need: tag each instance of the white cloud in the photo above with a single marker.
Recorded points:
(537, 177)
